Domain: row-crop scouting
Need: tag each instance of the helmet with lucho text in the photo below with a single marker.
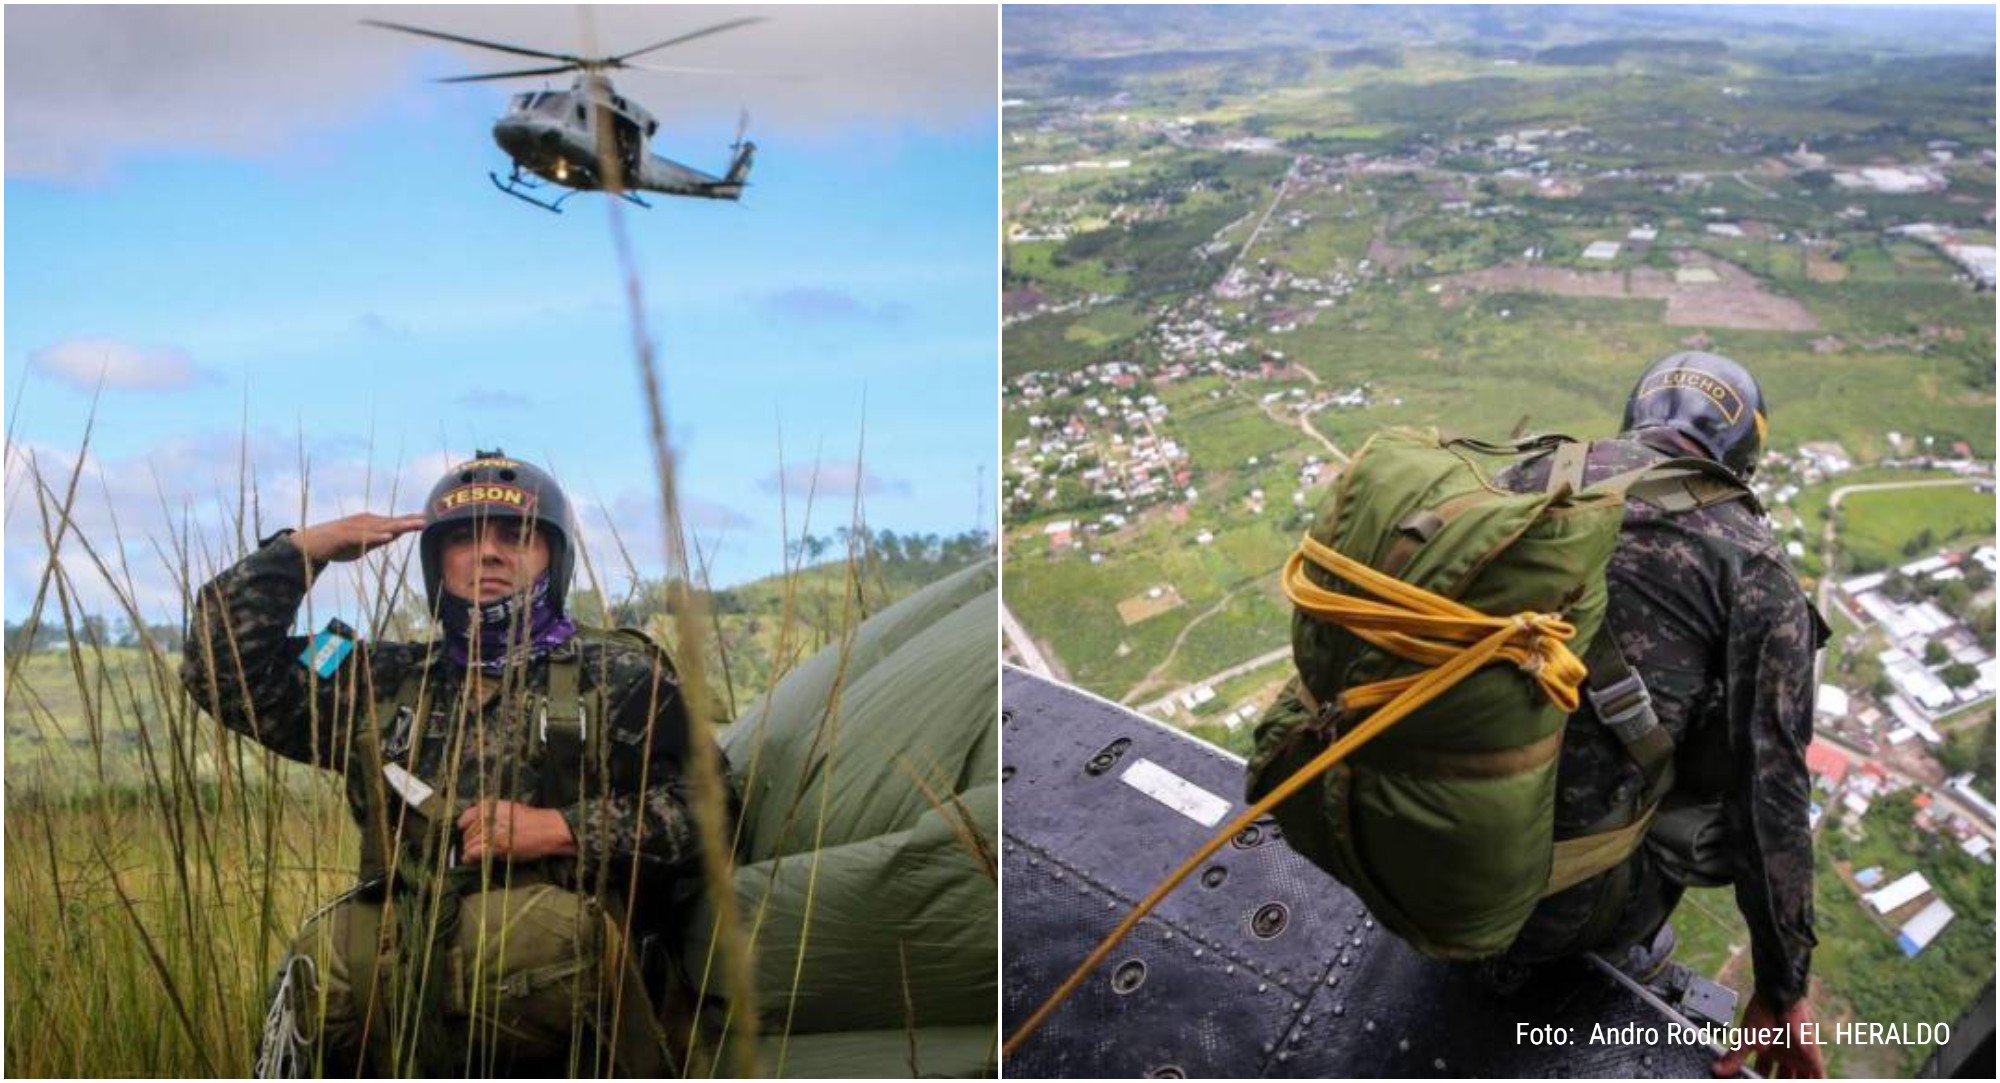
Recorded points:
(1708, 398)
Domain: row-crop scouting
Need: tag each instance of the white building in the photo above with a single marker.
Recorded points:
(1899, 894)
(1919, 931)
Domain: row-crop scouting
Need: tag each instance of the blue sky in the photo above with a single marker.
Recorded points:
(243, 223)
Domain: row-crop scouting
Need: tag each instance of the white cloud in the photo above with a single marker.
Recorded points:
(83, 362)
(632, 520)
(89, 86)
(138, 511)
(836, 482)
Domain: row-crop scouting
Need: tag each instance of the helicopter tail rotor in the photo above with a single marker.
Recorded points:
(739, 165)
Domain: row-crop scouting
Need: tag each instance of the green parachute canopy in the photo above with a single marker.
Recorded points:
(867, 877)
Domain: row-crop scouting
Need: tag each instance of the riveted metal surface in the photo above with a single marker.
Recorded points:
(1259, 964)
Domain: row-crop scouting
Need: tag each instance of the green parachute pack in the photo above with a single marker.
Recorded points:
(867, 881)
(1443, 823)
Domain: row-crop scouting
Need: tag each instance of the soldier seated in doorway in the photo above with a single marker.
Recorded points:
(1708, 614)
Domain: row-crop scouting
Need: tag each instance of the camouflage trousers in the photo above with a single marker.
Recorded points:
(530, 979)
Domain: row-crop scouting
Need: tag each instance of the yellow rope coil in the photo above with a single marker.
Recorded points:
(1426, 628)
(1454, 640)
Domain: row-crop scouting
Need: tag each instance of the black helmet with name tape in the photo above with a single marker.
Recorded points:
(1708, 398)
(492, 486)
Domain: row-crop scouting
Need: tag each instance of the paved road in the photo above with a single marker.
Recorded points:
(1030, 654)
(1157, 706)
(1254, 233)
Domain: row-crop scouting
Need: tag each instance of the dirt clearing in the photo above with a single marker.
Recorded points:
(1154, 602)
(1734, 298)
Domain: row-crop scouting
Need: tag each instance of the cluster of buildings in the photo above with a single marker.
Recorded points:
(1273, 285)
(1908, 903)
(1101, 428)
(1923, 642)
(1110, 443)
(1059, 168)
(1892, 180)
(1976, 259)
(1194, 700)
(1198, 336)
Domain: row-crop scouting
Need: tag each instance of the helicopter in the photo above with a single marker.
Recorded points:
(558, 136)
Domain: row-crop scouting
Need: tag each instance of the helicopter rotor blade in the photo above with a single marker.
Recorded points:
(522, 73)
(619, 60)
(462, 40)
(675, 69)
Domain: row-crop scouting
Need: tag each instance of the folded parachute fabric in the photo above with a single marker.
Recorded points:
(870, 782)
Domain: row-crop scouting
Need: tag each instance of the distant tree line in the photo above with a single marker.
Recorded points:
(91, 630)
(932, 551)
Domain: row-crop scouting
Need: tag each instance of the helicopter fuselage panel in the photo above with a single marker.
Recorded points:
(561, 151)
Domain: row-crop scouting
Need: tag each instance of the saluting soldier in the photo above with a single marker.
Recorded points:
(520, 785)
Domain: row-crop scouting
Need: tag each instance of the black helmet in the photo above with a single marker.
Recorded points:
(1708, 398)
(493, 486)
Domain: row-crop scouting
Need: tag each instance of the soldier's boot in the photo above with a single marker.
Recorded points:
(1646, 963)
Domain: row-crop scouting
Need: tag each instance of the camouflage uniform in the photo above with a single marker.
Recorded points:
(1709, 614)
(480, 738)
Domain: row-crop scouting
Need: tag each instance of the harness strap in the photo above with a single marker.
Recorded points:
(1579, 859)
(1680, 485)
(564, 734)
(568, 742)
(1566, 467)
(1622, 703)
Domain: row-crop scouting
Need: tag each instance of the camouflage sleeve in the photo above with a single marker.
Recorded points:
(643, 812)
(242, 667)
(1769, 696)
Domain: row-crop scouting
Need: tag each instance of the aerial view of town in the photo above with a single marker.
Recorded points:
(1240, 241)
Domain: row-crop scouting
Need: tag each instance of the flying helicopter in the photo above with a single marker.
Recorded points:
(590, 138)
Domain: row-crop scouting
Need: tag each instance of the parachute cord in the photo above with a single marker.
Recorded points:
(1526, 639)
(282, 1052)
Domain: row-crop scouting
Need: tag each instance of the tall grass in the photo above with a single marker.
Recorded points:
(157, 866)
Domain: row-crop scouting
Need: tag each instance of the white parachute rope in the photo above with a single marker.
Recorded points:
(284, 1051)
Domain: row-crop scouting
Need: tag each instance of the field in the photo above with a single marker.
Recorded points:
(1882, 529)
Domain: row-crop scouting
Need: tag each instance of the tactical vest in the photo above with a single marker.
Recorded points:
(405, 821)
(1444, 823)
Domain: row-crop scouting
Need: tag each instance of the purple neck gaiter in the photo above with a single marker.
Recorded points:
(541, 629)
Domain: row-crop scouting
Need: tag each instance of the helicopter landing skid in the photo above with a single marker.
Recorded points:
(515, 184)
